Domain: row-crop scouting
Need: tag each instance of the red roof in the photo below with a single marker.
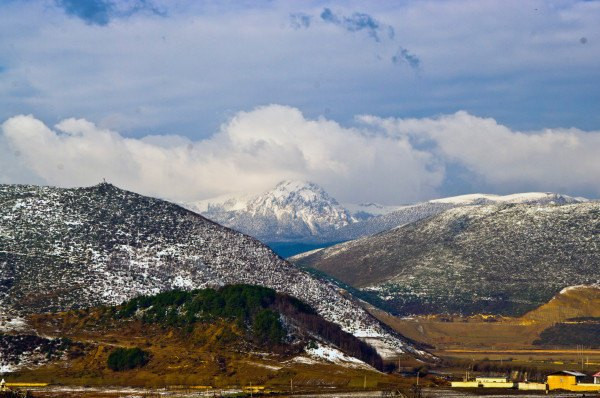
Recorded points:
(596, 374)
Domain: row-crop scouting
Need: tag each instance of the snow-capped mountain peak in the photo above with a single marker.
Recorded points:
(307, 190)
(292, 209)
(295, 197)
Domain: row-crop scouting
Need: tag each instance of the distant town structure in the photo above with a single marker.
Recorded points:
(565, 380)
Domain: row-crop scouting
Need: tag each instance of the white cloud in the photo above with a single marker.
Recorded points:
(252, 152)
(564, 160)
(387, 160)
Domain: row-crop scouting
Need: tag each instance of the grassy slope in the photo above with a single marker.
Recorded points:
(500, 333)
(504, 344)
(216, 354)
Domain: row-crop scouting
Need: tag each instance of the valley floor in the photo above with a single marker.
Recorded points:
(500, 344)
(67, 392)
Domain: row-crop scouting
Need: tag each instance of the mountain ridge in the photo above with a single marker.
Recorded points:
(502, 258)
(70, 248)
(418, 211)
(301, 211)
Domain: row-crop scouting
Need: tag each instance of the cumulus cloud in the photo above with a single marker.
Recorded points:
(563, 160)
(387, 160)
(252, 152)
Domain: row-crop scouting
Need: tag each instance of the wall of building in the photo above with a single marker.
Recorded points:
(532, 386)
(561, 382)
(507, 384)
(464, 384)
(491, 379)
(476, 384)
(585, 387)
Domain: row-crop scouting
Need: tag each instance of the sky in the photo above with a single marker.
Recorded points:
(385, 101)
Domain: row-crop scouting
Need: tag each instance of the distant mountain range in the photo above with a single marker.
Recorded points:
(505, 257)
(407, 214)
(64, 249)
(303, 212)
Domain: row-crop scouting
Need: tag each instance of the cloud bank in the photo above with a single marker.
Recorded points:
(389, 160)
(559, 160)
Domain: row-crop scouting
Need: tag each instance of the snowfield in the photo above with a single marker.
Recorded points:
(333, 355)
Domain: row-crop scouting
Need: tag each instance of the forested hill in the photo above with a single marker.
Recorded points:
(233, 335)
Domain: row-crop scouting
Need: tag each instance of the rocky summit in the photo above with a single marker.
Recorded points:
(293, 210)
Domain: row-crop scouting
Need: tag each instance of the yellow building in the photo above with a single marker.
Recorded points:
(570, 381)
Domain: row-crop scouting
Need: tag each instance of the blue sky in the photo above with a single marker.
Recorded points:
(187, 70)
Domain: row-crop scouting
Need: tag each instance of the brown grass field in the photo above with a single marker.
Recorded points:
(504, 341)
(213, 354)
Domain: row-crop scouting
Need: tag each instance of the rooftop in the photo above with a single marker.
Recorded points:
(568, 372)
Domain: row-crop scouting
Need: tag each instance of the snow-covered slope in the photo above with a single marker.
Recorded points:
(70, 248)
(303, 211)
(500, 258)
(407, 214)
(366, 211)
(539, 198)
(293, 210)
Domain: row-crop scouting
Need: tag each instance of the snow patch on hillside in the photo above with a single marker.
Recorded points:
(368, 210)
(577, 287)
(12, 324)
(333, 355)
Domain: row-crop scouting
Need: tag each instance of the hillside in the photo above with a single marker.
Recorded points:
(301, 212)
(384, 222)
(235, 335)
(64, 249)
(411, 213)
(502, 259)
(571, 302)
(481, 332)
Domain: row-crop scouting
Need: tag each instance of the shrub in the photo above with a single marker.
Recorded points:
(127, 358)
